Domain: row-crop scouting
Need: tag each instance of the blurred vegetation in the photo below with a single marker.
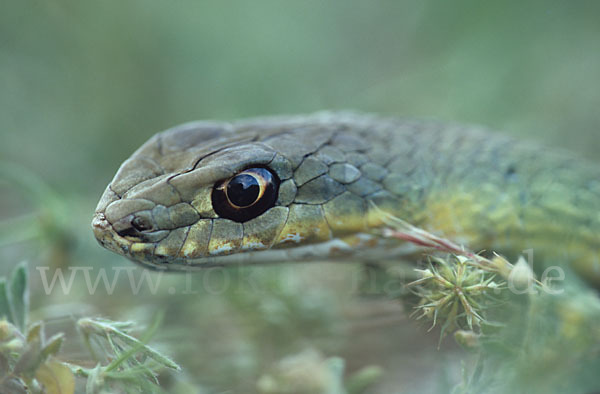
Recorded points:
(83, 84)
(29, 362)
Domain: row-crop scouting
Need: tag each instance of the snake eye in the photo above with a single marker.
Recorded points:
(246, 195)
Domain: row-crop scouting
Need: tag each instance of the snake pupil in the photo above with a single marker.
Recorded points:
(246, 195)
(243, 190)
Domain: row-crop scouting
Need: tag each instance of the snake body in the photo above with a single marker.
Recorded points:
(335, 171)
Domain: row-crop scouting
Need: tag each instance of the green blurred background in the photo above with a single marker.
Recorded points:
(84, 83)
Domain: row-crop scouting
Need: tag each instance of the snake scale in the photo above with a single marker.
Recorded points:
(308, 187)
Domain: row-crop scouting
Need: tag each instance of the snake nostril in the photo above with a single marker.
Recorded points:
(140, 224)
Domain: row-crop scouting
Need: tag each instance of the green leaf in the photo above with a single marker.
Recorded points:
(140, 347)
(19, 296)
(113, 331)
(53, 345)
(5, 312)
(35, 332)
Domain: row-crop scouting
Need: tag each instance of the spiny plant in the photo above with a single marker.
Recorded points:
(455, 291)
(30, 363)
(455, 288)
(539, 340)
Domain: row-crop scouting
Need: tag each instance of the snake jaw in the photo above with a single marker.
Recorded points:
(106, 236)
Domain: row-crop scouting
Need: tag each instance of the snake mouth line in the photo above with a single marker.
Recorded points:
(335, 249)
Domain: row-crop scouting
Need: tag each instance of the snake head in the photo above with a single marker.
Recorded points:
(208, 193)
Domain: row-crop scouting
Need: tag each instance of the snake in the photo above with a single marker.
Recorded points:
(312, 187)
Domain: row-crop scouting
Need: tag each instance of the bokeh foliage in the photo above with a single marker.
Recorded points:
(84, 83)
